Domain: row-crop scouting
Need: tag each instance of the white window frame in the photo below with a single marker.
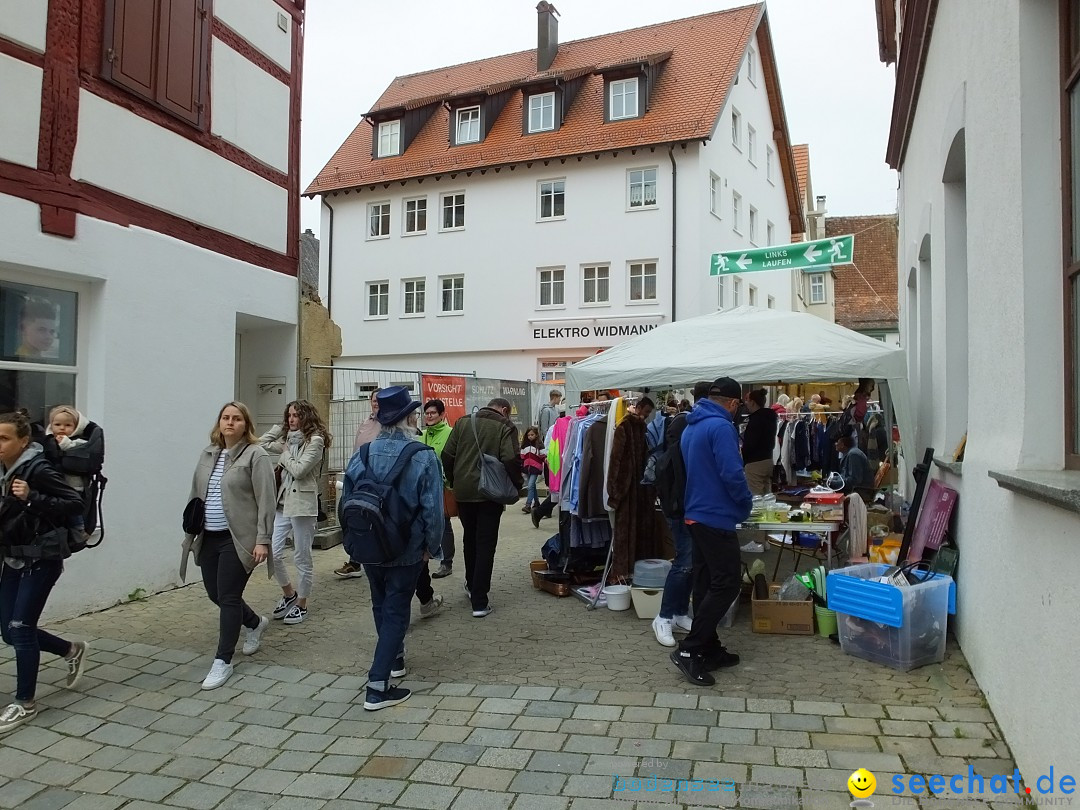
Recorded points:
(772, 302)
(736, 212)
(770, 233)
(442, 210)
(380, 291)
(751, 66)
(736, 129)
(751, 295)
(714, 195)
(751, 145)
(643, 274)
(553, 193)
(405, 216)
(595, 283)
(442, 290)
(539, 104)
(390, 138)
(414, 296)
(721, 291)
(736, 292)
(622, 85)
(471, 123)
(770, 164)
(643, 181)
(753, 220)
(817, 283)
(383, 215)
(551, 279)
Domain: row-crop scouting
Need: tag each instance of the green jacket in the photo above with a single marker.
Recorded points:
(436, 436)
(461, 456)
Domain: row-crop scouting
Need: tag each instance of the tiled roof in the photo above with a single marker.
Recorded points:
(801, 153)
(701, 57)
(866, 290)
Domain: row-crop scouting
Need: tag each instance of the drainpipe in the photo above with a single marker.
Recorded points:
(329, 259)
(674, 220)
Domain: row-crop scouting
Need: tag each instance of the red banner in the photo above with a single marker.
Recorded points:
(451, 390)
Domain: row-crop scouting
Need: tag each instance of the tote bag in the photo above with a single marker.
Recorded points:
(495, 483)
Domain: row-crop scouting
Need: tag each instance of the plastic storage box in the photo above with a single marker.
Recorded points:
(651, 573)
(646, 601)
(901, 627)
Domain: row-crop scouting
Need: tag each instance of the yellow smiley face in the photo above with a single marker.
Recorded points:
(862, 783)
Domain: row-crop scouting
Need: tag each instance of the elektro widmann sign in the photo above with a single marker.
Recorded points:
(808, 256)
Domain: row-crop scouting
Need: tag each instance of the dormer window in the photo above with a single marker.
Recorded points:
(468, 125)
(623, 99)
(389, 138)
(542, 112)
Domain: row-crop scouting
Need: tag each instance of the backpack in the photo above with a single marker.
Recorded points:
(843, 425)
(86, 461)
(375, 520)
(671, 472)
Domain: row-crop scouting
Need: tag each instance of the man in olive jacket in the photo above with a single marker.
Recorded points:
(496, 436)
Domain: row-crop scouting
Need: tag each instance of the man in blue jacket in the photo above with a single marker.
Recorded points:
(717, 499)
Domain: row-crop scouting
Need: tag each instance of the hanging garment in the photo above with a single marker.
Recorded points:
(617, 412)
(634, 535)
(589, 533)
(571, 489)
(801, 448)
(591, 502)
(786, 460)
(856, 518)
(559, 432)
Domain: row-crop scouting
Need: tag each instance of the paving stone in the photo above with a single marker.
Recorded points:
(912, 713)
(117, 734)
(107, 757)
(143, 762)
(246, 800)
(492, 737)
(451, 752)
(379, 791)
(625, 698)
(353, 747)
(95, 803)
(70, 749)
(505, 758)
(338, 764)
(906, 728)
(77, 725)
(873, 762)
(227, 775)
(783, 739)
(134, 716)
(688, 733)
(961, 730)
(843, 742)
(648, 714)
(17, 792)
(908, 747)
(818, 707)
(389, 767)
(503, 706)
(642, 730)
(308, 742)
(577, 695)
(802, 758)
(528, 801)
(873, 710)
(722, 772)
(460, 689)
(537, 782)
(159, 743)
(952, 747)
(773, 775)
(198, 796)
(409, 749)
(481, 778)
(32, 739)
(591, 727)
(318, 786)
(192, 768)
(254, 756)
(541, 741)
(587, 712)
(588, 786)
(427, 797)
(57, 774)
(721, 703)
(852, 725)
(535, 693)
(601, 765)
(743, 720)
(694, 717)
(798, 722)
(297, 803)
(546, 724)
(50, 799)
(492, 690)
(399, 731)
(646, 748)
(440, 734)
(267, 781)
(561, 762)
(298, 761)
(752, 754)
(762, 796)
(966, 714)
(440, 773)
(99, 781)
(669, 700)
(549, 708)
(148, 788)
(736, 736)
(768, 706)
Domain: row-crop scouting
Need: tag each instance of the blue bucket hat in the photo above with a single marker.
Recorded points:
(394, 404)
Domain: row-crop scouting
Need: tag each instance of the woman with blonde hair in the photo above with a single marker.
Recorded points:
(234, 480)
(298, 443)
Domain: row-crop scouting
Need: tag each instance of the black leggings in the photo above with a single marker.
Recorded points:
(225, 578)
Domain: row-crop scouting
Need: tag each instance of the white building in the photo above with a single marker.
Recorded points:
(149, 223)
(988, 257)
(514, 214)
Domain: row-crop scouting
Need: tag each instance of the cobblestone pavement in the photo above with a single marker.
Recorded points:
(537, 707)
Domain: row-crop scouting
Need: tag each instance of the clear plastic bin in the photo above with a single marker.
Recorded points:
(651, 573)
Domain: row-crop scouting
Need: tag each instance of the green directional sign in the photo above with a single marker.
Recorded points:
(798, 256)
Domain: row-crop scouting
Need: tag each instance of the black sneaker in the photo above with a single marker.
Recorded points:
(399, 668)
(720, 658)
(693, 667)
(380, 700)
(444, 571)
(535, 518)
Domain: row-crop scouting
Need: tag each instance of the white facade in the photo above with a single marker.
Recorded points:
(508, 254)
(165, 327)
(980, 278)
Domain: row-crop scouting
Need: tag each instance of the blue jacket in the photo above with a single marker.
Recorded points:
(716, 490)
(420, 486)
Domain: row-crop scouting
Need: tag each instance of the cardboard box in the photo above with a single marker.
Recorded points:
(788, 618)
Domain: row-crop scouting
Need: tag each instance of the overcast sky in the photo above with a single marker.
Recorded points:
(837, 93)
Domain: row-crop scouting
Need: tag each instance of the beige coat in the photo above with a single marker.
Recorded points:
(299, 493)
(247, 493)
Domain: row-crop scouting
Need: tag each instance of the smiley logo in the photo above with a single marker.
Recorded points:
(862, 783)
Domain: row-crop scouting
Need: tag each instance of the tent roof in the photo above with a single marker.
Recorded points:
(750, 344)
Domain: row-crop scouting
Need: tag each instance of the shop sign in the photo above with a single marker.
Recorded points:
(798, 256)
(589, 332)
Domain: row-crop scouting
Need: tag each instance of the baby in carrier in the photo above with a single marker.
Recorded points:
(78, 449)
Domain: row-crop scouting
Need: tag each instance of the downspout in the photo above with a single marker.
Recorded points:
(329, 259)
(674, 221)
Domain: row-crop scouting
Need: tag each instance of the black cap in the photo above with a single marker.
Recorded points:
(726, 387)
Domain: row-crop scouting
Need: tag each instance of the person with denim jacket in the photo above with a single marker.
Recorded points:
(393, 583)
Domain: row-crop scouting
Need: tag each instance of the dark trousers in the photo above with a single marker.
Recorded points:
(225, 579)
(392, 588)
(717, 568)
(447, 542)
(23, 593)
(480, 536)
(546, 507)
(424, 592)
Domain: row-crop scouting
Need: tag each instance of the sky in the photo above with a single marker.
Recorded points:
(837, 93)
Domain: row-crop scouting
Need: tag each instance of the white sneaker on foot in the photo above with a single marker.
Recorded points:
(753, 548)
(432, 607)
(681, 624)
(662, 630)
(251, 643)
(15, 715)
(76, 665)
(219, 673)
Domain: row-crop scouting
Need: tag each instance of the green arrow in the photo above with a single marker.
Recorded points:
(796, 256)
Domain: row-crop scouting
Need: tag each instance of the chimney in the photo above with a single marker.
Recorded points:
(820, 204)
(547, 35)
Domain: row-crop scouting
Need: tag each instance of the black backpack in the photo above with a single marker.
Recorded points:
(671, 473)
(375, 520)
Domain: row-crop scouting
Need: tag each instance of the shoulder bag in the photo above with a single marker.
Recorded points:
(495, 483)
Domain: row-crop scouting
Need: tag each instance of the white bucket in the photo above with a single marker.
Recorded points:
(618, 597)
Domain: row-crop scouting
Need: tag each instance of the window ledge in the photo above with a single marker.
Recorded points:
(1056, 487)
(954, 467)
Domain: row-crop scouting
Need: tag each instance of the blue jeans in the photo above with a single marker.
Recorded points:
(531, 498)
(676, 599)
(23, 593)
(392, 588)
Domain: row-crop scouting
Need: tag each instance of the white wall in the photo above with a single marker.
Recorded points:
(995, 75)
(257, 22)
(250, 107)
(20, 91)
(23, 21)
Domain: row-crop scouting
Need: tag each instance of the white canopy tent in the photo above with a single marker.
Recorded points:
(755, 346)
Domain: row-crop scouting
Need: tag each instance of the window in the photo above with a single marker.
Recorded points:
(770, 234)
(642, 188)
(736, 211)
(453, 294)
(714, 194)
(753, 225)
(158, 49)
(751, 144)
(468, 125)
(413, 294)
(751, 66)
(642, 281)
(389, 138)
(753, 295)
(594, 285)
(736, 128)
(622, 99)
(552, 199)
(542, 112)
(1070, 156)
(378, 296)
(817, 288)
(416, 215)
(552, 287)
(453, 211)
(722, 291)
(772, 302)
(379, 220)
(770, 164)
(736, 292)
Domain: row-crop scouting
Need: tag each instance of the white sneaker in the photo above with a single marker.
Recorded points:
(251, 643)
(753, 548)
(682, 624)
(219, 673)
(662, 629)
(432, 607)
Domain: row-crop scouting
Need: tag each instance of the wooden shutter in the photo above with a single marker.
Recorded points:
(180, 58)
(130, 38)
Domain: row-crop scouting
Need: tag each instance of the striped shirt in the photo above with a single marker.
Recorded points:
(215, 510)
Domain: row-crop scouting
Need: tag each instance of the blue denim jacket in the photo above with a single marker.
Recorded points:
(420, 485)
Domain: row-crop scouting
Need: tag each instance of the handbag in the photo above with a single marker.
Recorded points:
(194, 516)
(449, 503)
(495, 483)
